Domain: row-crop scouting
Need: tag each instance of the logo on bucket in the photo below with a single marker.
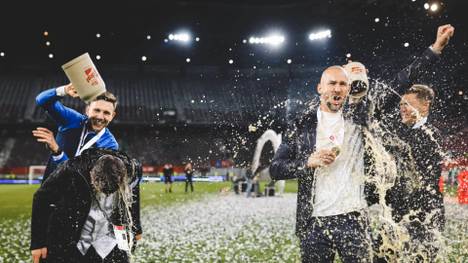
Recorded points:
(92, 76)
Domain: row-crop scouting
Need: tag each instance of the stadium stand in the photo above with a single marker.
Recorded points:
(164, 115)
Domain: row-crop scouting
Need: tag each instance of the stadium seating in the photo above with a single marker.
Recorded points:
(173, 117)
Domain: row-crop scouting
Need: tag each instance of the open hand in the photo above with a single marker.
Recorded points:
(46, 136)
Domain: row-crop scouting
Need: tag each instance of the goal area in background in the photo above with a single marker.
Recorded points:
(35, 172)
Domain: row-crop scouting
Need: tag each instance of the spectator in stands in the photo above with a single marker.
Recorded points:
(76, 132)
(93, 207)
(188, 176)
(168, 172)
(324, 149)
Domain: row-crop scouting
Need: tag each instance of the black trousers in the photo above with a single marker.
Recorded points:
(348, 234)
(115, 256)
(187, 182)
(74, 256)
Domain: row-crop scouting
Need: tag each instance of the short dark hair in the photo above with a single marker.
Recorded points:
(108, 174)
(108, 96)
(422, 92)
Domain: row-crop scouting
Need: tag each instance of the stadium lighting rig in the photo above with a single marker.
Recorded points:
(182, 37)
(314, 36)
(432, 7)
(274, 40)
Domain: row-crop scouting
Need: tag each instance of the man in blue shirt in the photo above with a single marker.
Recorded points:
(76, 132)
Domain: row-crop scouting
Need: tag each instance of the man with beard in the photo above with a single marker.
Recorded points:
(76, 132)
(324, 150)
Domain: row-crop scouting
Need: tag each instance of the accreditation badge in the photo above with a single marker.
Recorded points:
(122, 238)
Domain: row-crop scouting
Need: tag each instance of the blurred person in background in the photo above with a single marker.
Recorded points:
(168, 172)
(188, 176)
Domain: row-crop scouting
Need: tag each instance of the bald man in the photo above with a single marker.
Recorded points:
(324, 150)
(325, 153)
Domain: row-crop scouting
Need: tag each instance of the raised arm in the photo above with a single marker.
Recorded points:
(49, 100)
(414, 72)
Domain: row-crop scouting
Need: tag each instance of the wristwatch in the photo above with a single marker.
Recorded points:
(58, 152)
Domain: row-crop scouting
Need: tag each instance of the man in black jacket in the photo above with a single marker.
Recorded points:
(415, 199)
(324, 150)
(91, 198)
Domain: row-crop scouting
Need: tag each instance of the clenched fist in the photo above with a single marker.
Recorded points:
(444, 33)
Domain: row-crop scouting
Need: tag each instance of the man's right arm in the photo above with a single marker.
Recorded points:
(286, 162)
(49, 100)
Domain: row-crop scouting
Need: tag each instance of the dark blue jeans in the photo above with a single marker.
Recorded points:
(347, 234)
(73, 255)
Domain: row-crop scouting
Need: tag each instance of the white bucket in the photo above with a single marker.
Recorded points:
(84, 77)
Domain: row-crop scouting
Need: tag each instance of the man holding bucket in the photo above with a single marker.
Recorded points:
(77, 132)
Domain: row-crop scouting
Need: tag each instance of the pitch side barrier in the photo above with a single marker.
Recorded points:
(33, 175)
(181, 178)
